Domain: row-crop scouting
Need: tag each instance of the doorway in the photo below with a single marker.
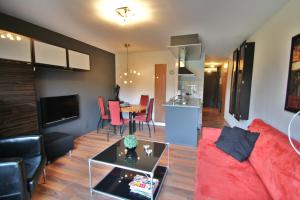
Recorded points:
(211, 94)
(160, 91)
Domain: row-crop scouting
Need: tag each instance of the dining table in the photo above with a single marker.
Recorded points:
(132, 110)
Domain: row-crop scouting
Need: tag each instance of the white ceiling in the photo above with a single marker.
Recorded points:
(221, 24)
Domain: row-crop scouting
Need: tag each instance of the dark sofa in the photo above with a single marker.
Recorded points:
(22, 162)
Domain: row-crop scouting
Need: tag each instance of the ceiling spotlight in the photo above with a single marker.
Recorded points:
(8, 35)
(138, 73)
(125, 82)
(18, 38)
(3, 36)
(11, 38)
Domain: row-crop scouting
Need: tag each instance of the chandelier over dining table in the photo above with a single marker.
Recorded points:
(129, 75)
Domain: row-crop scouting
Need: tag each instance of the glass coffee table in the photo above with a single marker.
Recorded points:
(126, 164)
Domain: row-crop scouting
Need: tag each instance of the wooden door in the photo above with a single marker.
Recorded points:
(160, 91)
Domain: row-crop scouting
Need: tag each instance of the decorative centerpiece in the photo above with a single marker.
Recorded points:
(131, 157)
(130, 142)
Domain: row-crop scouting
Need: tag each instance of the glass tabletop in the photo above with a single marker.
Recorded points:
(118, 155)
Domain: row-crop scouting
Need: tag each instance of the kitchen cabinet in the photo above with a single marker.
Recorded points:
(14, 47)
(78, 60)
(47, 54)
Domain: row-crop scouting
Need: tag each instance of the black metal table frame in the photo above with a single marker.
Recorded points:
(151, 174)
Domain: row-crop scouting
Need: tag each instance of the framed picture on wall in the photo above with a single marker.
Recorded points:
(292, 102)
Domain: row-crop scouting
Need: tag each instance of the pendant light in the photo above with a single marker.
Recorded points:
(129, 75)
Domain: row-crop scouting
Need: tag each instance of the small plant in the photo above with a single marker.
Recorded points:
(130, 141)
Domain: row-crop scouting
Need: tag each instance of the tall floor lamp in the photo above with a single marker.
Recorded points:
(289, 133)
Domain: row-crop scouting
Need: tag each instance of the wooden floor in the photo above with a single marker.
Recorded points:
(67, 178)
(211, 117)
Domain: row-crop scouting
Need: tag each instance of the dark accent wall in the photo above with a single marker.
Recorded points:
(100, 80)
(18, 110)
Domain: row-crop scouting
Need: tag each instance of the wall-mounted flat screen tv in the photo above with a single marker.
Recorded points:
(59, 109)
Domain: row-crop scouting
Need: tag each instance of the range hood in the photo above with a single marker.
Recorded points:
(182, 69)
(185, 47)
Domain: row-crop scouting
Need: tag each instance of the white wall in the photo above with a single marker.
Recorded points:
(270, 72)
(144, 62)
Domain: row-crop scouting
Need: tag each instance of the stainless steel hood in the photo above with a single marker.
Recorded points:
(190, 43)
(185, 47)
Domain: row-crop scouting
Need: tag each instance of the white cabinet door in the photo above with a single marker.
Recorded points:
(14, 47)
(49, 54)
(79, 60)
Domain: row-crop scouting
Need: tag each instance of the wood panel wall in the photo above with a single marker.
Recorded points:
(18, 107)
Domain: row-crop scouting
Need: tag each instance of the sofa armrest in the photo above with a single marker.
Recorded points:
(13, 179)
(22, 146)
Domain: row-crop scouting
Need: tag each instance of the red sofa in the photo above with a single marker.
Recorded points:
(272, 171)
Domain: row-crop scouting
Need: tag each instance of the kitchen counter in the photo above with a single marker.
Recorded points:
(183, 118)
(185, 102)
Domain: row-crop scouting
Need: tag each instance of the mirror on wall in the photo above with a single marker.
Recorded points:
(14, 47)
(292, 102)
(48, 54)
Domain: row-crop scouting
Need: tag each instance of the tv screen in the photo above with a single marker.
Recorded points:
(59, 109)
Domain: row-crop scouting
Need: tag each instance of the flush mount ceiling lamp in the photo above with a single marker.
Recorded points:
(125, 14)
(121, 12)
(130, 74)
(212, 64)
(210, 69)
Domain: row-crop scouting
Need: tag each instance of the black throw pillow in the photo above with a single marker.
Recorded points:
(237, 142)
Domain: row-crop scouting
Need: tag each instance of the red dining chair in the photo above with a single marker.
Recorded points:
(148, 116)
(143, 102)
(103, 115)
(116, 119)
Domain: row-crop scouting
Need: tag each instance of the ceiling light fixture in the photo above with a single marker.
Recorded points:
(125, 14)
(210, 69)
(129, 75)
(124, 11)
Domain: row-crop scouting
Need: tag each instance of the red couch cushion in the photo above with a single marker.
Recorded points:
(219, 176)
(276, 162)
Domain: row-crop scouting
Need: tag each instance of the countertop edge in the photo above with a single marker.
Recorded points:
(186, 106)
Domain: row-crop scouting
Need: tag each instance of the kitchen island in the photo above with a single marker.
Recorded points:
(183, 119)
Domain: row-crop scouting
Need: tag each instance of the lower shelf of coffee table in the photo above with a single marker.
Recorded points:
(116, 183)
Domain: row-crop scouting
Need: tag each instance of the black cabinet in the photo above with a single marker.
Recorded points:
(235, 62)
(241, 81)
